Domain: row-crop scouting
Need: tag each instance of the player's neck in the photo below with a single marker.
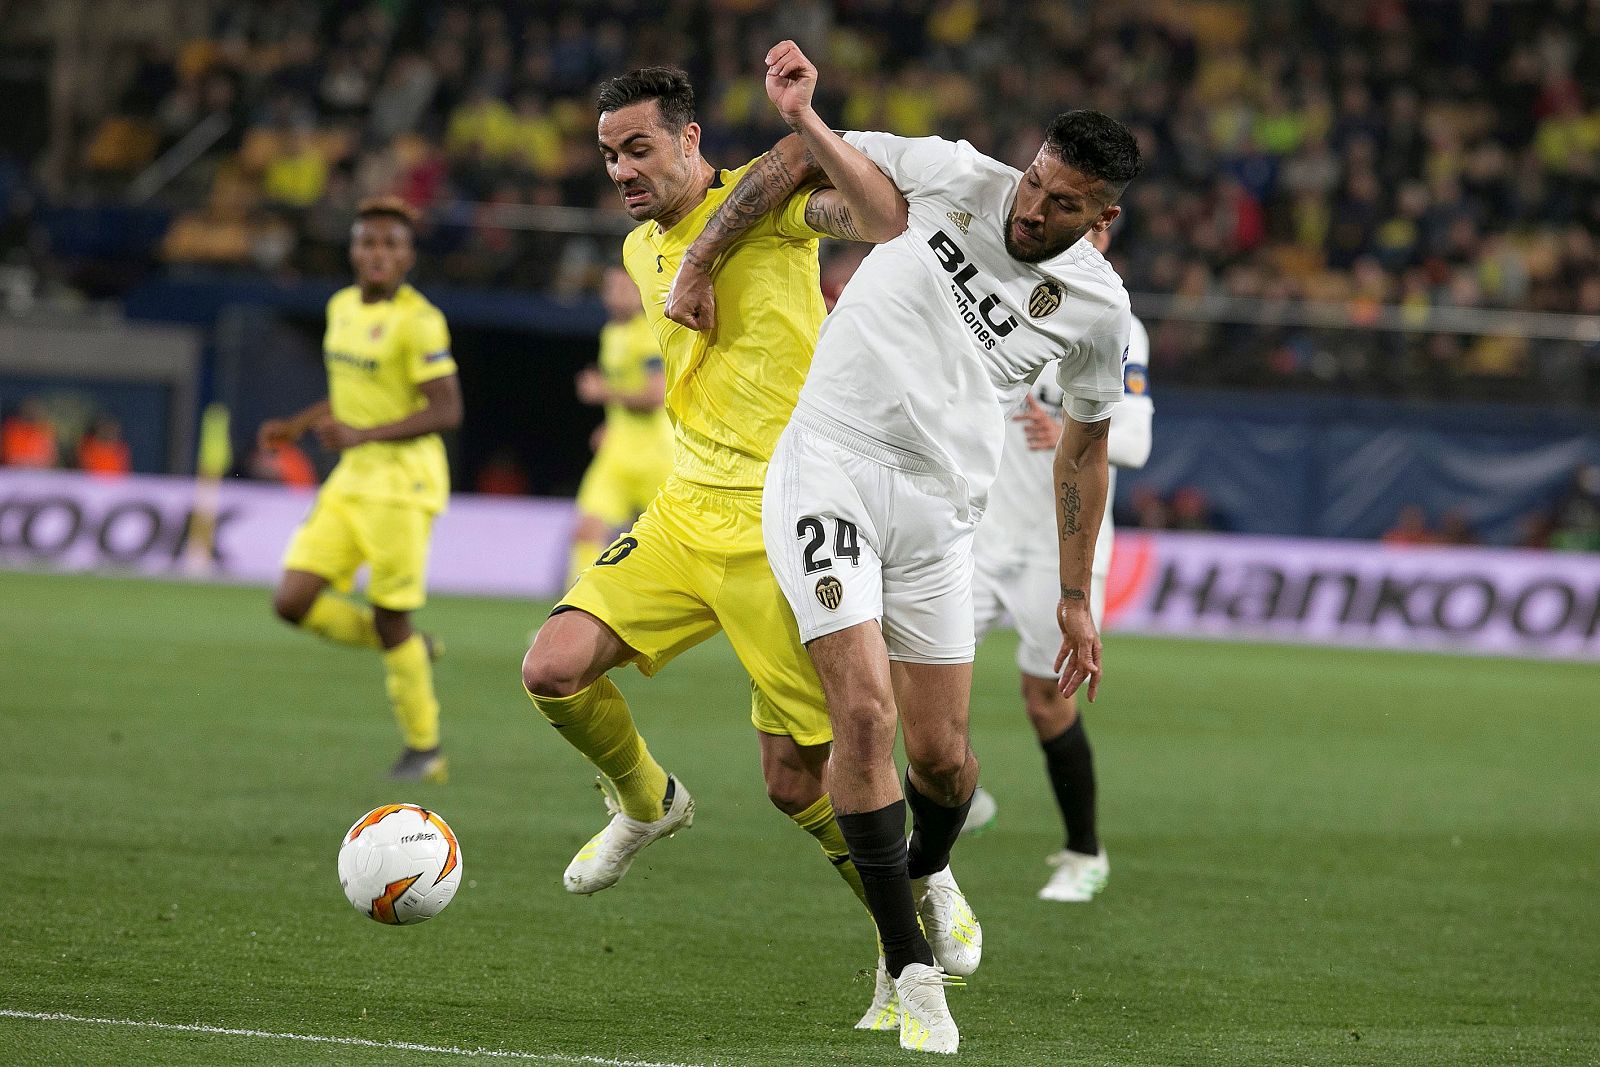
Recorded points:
(377, 294)
(693, 196)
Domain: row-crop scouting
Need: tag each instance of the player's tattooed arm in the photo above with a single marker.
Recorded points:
(769, 182)
(827, 212)
(1080, 480)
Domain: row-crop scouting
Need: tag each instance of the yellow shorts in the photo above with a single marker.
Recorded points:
(618, 486)
(694, 564)
(343, 532)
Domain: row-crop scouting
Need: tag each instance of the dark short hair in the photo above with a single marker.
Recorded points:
(388, 207)
(668, 86)
(1096, 144)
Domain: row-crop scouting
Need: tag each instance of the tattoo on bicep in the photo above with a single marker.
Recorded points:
(1071, 504)
(833, 219)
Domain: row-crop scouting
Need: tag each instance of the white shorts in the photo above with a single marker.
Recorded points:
(1028, 594)
(853, 539)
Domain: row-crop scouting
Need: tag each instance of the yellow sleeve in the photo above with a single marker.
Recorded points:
(790, 218)
(429, 356)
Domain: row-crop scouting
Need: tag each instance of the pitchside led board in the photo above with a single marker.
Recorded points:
(1464, 600)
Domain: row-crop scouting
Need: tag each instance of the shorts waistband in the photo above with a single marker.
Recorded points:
(862, 445)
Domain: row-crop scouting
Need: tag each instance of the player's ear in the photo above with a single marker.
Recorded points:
(1107, 217)
(691, 138)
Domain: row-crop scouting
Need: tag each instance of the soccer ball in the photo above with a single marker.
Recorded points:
(400, 864)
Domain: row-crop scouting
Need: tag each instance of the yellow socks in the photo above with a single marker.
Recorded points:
(337, 619)
(408, 676)
(818, 821)
(596, 722)
(583, 554)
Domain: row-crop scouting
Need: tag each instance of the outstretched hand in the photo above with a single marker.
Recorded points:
(791, 79)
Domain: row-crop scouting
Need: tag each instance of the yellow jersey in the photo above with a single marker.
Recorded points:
(628, 357)
(377, 355)
(730, 392)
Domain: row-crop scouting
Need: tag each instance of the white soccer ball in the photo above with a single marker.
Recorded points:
(400, 864)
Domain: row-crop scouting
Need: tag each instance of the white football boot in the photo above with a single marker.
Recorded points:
(947, 920)
(884, 1014)
(602, 862)
(925, 1022)
(1078, 876)
(982, 814)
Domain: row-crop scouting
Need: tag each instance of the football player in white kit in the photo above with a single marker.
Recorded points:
(1015, 556)
(879, 481)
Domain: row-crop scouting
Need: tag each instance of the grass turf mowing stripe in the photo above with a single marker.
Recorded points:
(324, 1039)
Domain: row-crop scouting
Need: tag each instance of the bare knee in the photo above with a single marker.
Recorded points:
(863, 727)
(547, 673)
(290, 606)
(1049, 712)
(945, 769)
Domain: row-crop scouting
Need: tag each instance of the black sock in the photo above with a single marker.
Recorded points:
(1070, 765)
(877, 842)
(934, 829)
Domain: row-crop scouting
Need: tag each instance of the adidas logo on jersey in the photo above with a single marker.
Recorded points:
(962, 219)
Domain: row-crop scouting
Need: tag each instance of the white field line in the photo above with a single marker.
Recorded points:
(322, 1039)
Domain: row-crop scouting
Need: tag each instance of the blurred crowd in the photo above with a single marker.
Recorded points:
(1417, 153)
(1433, 151)
(33, 436)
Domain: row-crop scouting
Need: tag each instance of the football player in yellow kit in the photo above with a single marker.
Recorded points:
(694, 563)
(392, 388)
(634, 455)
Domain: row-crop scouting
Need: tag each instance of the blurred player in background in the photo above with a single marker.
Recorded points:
(1014, 553)
(392, 388)
(877, 483)
(695, 562)
(634, 451)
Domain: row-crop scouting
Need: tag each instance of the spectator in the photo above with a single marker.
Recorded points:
(1577, 516)
(28, 438)
(101, 450)
(502, 475)
(1411, 528)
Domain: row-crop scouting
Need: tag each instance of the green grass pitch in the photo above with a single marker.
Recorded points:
(1318, 857)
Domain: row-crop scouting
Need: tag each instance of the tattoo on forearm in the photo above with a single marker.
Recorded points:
(1071, 504)
(1068, 593)
(764, 187)
(834, 219)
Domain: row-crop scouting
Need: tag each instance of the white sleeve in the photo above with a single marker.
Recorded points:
(1091, 370)
(914, 164)
(1128, 443)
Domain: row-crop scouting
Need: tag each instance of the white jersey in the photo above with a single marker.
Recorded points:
(1019, 528)
(940, 331)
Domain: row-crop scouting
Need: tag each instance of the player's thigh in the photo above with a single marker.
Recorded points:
(1030, 595)
(650, 587)
(325, 543)
(821, 535)
(604, 492)
(786, 697)
(395, 539)
(927, 576)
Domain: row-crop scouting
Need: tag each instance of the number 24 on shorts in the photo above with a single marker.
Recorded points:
(814, 532)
